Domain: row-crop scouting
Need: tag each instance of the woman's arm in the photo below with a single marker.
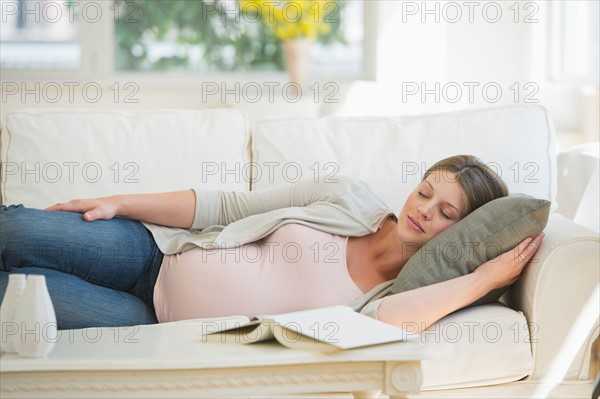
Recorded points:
(419, 308)
(200, 208)
(172, 209)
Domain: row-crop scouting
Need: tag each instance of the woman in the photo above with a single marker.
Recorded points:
(204, 253)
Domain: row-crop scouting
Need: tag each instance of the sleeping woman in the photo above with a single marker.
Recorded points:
(139, 259)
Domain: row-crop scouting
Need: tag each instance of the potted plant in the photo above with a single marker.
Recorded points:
(297, 24)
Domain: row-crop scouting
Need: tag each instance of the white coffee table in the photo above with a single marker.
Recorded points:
(171, 360)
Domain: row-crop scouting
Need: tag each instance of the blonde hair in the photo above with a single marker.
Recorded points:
(479, 183)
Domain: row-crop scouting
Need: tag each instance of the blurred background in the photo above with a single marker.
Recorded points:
(305, 58)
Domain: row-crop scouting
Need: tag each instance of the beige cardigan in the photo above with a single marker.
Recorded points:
(225, 219)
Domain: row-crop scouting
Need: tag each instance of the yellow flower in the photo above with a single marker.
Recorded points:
(291, 18)
(308, 29)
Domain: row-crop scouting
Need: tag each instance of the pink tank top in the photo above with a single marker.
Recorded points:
(294, 268)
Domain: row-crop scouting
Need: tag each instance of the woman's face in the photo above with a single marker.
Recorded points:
(433, 206)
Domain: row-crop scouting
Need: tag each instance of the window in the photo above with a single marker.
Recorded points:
(233, 36)
(575, 40)
(39, 35)
(179, 36)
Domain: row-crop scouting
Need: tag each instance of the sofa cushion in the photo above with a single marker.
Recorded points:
(54, 155)
(392, 153)
(485, 233)
(483, 345)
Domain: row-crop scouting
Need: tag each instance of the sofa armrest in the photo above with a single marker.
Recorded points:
(559, 295)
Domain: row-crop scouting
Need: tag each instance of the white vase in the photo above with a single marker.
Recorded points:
(12, 296)
(297, 57)
(35, 319)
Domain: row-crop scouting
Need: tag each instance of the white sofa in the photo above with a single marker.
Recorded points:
(536, 343)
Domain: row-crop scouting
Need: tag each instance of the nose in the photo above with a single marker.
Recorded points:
(425, 211)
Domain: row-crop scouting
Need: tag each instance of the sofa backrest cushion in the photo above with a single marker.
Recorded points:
(393, 153)
(55, 155)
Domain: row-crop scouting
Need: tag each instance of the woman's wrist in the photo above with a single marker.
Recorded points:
(120, 204)
(482, 283)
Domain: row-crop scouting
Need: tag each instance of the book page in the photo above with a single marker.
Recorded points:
(254, 331)
(338, 326)
(240, 329)
(300, 341)
(323, 329)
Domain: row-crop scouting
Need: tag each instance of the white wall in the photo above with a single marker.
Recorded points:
(420, 49)
(416, 50)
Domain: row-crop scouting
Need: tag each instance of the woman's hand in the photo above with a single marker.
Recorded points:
(505, 269)
(171, 209)
(92, 209)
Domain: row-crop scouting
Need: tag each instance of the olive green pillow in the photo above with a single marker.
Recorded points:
(485, 233)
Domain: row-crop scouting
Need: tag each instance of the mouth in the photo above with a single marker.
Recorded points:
(413, 224)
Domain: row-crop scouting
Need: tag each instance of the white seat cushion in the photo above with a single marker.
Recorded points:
(54, 156)
(483, 345)
(392, 153)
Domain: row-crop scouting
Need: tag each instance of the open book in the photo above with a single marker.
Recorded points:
(325, 329)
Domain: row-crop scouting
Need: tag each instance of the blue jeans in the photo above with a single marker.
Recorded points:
(99, 274)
